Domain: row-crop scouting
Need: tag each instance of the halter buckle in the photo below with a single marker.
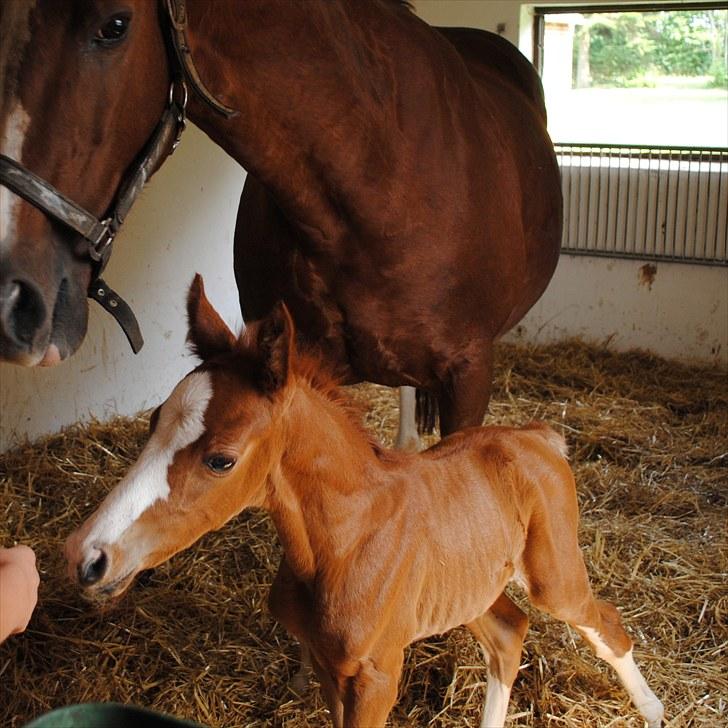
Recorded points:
(99, 250)
(181, 109)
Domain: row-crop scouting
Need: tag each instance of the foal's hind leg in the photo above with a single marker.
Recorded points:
(557, 583)
(500, 632)
(610, 642)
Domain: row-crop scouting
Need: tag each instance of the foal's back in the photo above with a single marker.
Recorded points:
(468, 505)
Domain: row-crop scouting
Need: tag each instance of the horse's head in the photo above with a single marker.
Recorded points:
(83, 87)
(212, 444)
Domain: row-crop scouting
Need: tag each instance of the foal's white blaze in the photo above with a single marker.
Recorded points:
(181, 422)
(11, 145)
(643, 698)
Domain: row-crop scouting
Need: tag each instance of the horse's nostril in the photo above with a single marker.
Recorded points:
(94, 569)
(22, 311)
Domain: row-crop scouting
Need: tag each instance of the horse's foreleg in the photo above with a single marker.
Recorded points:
(464, 398)
(407, 436)
(330, 691)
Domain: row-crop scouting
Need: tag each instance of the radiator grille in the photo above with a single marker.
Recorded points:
(653, 203)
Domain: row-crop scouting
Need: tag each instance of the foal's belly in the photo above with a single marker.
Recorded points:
(462, 600)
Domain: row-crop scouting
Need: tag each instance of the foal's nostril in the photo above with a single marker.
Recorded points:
(94, 569)
(22, 311)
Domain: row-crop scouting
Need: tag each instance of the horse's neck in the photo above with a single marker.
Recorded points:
(315, 97)
(327, 479)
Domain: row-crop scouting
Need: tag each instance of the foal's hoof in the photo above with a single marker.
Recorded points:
(299, 683)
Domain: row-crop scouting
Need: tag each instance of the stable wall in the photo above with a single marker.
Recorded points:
(184, 223)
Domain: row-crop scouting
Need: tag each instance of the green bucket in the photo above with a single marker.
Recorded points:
(108, 715)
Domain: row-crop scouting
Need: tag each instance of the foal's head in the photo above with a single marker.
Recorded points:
(212, 444)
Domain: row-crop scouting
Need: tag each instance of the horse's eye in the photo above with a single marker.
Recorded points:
(113, 30)
(219, 463)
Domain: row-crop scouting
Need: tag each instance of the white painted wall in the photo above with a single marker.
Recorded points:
(682, 314)
(185, 221)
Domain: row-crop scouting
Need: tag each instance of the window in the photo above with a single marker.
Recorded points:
(636, 76)
(637, 99)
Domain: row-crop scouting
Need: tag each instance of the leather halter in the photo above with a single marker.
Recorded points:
(98, 233)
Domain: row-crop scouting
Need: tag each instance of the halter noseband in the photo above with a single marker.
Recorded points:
(98, 233)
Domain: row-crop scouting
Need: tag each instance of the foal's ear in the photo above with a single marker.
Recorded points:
(207, 334)
(275, 348)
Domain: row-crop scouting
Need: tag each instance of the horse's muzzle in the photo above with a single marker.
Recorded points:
(23, 314)
(38, 329)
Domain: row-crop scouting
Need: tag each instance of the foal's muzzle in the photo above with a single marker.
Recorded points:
(93, 569)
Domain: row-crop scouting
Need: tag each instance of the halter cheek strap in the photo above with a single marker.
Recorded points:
(177, 13)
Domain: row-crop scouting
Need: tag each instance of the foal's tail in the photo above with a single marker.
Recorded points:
(554, 439)
(426, 412)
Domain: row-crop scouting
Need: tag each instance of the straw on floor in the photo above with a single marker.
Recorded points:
(649, 446)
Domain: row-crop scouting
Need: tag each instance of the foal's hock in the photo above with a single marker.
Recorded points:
(381, 548)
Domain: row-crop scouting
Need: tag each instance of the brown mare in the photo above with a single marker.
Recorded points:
(402, 196)
(381, 548)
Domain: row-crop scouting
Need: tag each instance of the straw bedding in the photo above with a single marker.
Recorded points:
(649, 446)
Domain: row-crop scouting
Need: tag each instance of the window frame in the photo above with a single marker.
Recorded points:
(541, 11)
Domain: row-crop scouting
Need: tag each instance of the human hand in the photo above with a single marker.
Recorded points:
(19, 582)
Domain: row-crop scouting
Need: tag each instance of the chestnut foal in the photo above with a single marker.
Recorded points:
(381, 548)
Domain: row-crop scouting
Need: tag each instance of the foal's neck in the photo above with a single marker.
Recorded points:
(329, 475)
(318, 99)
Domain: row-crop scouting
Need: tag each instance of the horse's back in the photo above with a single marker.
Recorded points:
(490, 53)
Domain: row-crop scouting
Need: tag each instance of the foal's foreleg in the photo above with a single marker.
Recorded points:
(331, 692)
(300, 680)
(370, 694)
(500, 632)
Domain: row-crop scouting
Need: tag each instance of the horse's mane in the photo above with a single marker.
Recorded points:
(406, 4)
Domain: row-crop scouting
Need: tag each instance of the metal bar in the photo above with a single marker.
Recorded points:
(687, 213)
(631, 7)
(655, 232)
(718, 216)
(629, 202)
(708, 206)
(720, 262)
(677, 204)
(721, 151)
(592, 227)
(697, 210)
(608, 209)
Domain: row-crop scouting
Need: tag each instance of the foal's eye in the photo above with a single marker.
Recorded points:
(219, 463)
(113, 30)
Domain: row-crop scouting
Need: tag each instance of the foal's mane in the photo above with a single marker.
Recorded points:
(310, 367)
